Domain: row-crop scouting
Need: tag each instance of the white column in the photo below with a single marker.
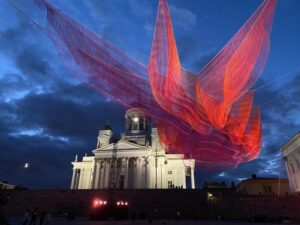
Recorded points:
(76, 182)
(93, 176)
(91, 179)
(102, 174)
(99, 173)
(192, 178)
(139, 168)
(184, 178)
(163, 180)
(96, 175)
(145, 181)
(126, 173)
(80, 179)
(73, 179)
(103, 182)
(135, 173)
(107, 173)
(116, 173)
(289, 175)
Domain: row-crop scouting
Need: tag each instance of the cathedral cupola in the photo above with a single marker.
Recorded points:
(105, 136)
(135, 122)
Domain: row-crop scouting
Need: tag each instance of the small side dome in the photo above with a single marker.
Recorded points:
(106, 127)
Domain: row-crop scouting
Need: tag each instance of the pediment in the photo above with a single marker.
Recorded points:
(122, 145)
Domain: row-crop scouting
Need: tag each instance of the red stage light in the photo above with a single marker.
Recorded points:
(98, 202)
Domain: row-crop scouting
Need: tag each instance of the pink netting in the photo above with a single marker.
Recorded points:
(208, 115)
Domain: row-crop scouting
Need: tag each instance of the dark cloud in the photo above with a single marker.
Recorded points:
(66, 127)
(66, 117)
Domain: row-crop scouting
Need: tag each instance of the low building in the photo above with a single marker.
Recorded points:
(218, 190)
(138, 160)
(262, 185)
(5, 185)
(291, 156)
(214, 185)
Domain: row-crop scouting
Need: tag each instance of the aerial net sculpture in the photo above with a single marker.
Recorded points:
(208, 115)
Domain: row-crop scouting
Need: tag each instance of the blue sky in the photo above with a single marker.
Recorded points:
(46, 117)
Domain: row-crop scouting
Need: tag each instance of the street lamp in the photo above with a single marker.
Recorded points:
(26, 165)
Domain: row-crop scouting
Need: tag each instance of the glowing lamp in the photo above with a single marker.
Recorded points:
(135, 119)
(98, 202)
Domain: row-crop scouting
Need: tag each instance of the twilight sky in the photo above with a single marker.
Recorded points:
(46, 117)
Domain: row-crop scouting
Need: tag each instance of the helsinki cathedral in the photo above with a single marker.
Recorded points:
(136, 161)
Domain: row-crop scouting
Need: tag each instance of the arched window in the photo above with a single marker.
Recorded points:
(141, 121)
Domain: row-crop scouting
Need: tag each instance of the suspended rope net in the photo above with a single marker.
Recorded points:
(209, 115)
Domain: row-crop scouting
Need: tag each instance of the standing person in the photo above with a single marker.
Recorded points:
(42, 218)
(178, 215)
(26, 217)
(156, 213)
(48, 218)
(33, 217)
(133, 217)
(150, 217)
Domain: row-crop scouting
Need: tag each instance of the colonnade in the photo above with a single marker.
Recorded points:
(131, 172)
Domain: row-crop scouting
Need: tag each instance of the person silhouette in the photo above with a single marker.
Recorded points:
(33, 217)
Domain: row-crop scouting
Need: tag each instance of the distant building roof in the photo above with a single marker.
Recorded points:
(255, 178)
(217, 185)
(5, 185)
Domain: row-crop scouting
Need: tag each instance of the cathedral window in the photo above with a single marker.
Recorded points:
(170, 184)
(170, 172)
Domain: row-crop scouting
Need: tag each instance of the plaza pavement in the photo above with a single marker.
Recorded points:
(85, 221)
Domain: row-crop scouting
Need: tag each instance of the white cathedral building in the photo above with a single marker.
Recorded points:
(137, 160)
(291, 156)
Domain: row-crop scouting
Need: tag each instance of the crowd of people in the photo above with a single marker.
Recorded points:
(35, 218)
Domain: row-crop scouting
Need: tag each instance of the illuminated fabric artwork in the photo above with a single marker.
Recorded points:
(208, 115)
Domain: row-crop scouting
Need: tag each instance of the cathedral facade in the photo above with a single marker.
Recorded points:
(291, 156)
(137, 160)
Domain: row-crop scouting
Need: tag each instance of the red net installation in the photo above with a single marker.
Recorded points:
(208, 115)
